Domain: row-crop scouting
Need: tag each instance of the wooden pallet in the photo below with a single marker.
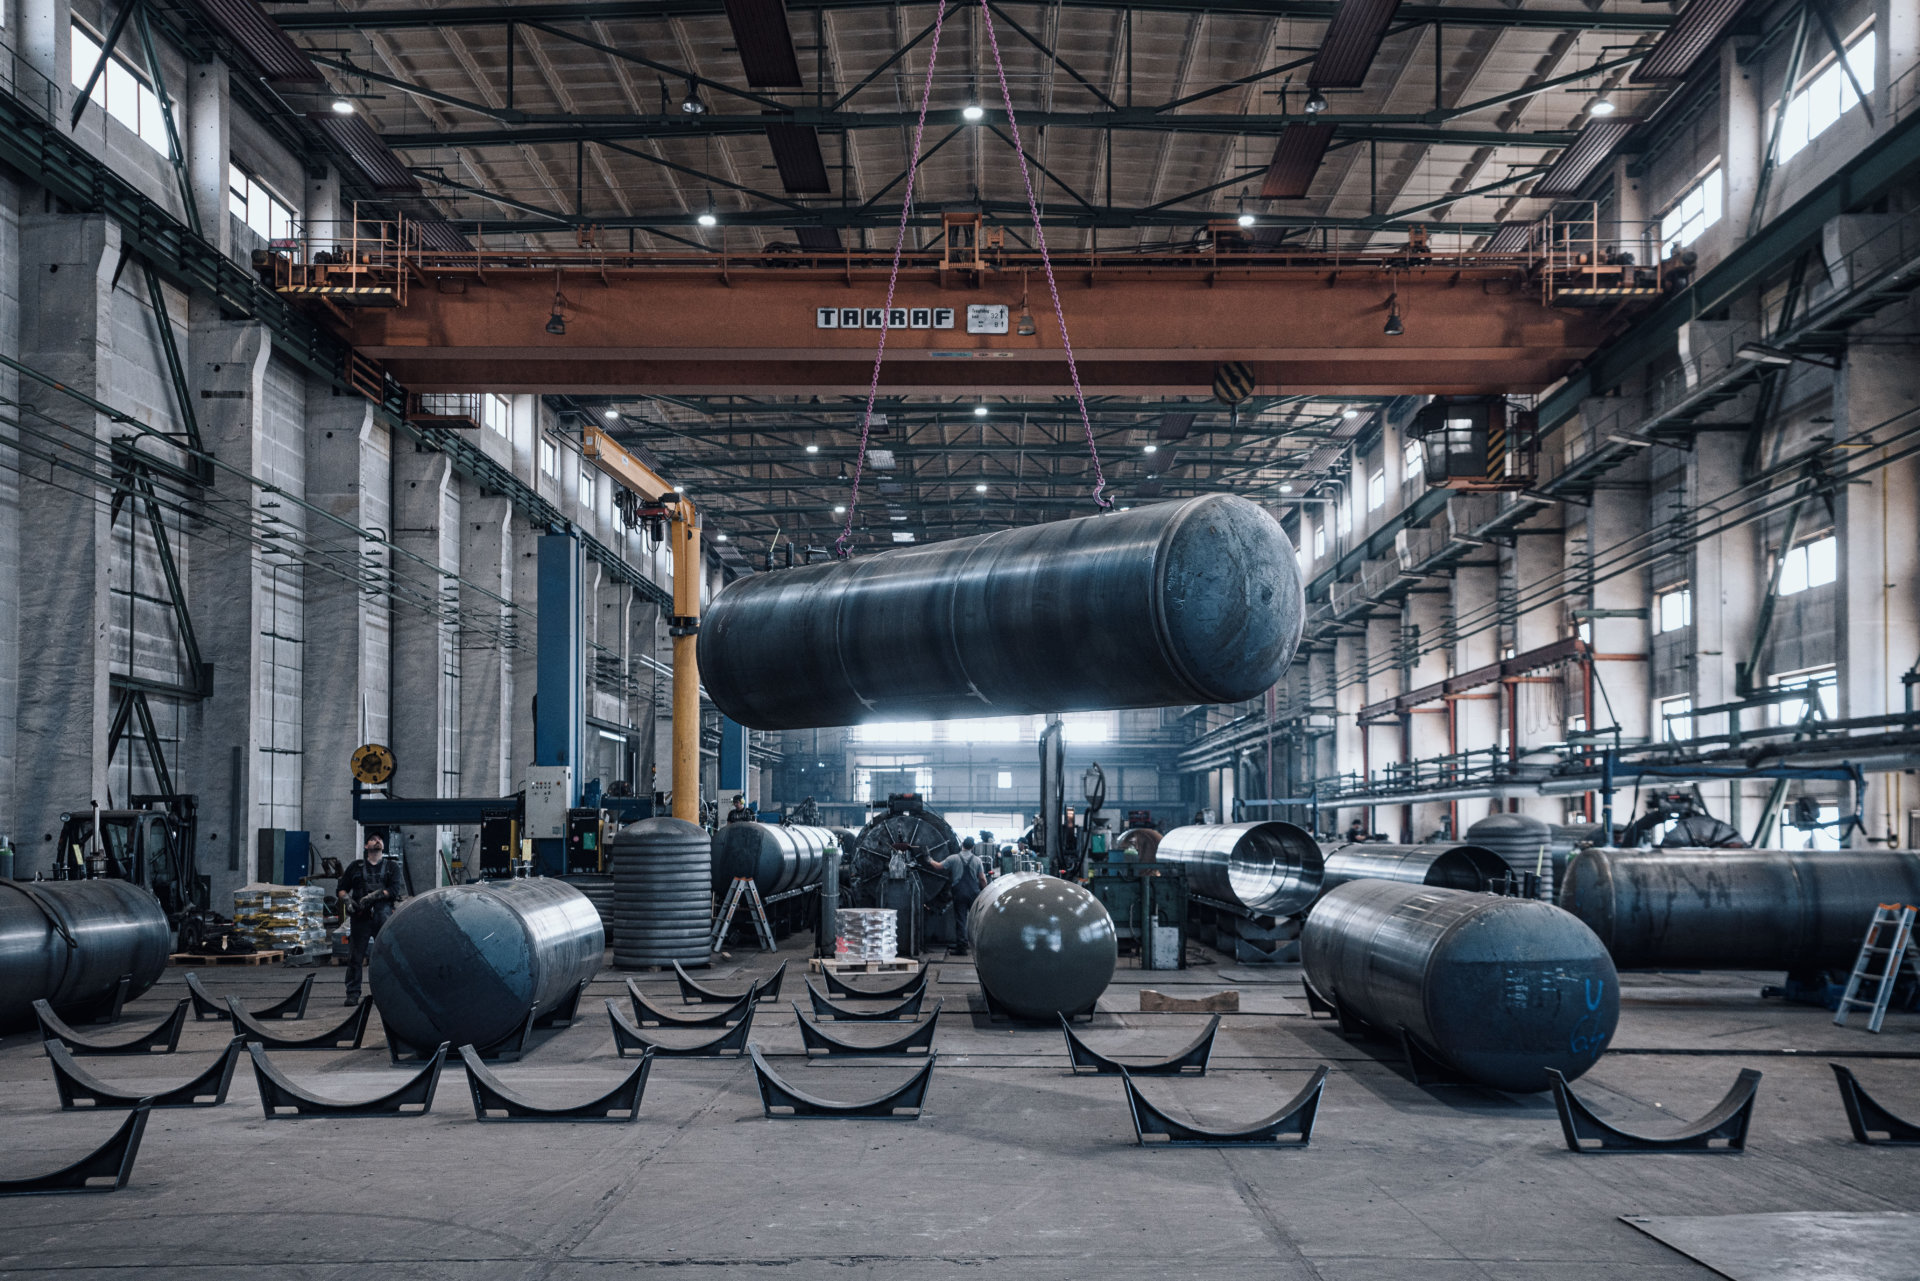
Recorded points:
(226, 958)
(899, 965)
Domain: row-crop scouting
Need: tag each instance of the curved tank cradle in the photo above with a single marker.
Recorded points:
(906, 1009)
(1723, 1129)
(1296, 1117)
(279, 1095)
(783, 1101)
(347, 1036)
(79, 1087)
(492, 1096)
(919, 1038)
(692, 993)
(645, 1012)
(163, 1039)
(1193, 1058)
(207, 1006)
(112, 1161)
(628, 1037)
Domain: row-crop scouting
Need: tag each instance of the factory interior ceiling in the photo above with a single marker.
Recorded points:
(1154, 131)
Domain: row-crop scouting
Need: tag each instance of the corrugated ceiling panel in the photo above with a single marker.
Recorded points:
(1697, 29)
(1174, 427)
(1296, 158)
(1583, 159)
(1352, 40)
(766, 45)
(247, 25)
(1511, 238)
(818, 239)
(357, 140)
(438, 233)
(796, 152)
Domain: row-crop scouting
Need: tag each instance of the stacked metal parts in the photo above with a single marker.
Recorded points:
(972, 626)
(662, 893)
(1523, 841)
(1272, 868)
(1452, 866)
(778, 859)
(465, 963)
(1736, 909)
(69, 943)
(1498, 989)
(1043, 947)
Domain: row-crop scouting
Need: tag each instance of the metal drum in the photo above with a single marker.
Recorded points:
(1523, 841)
(1451, 866)
(1273, 868)
(69, 943)
(975, 626)
(1736, 909)
(662, 893)
(464, 963)
(778, 858)
(1042, 946)
(1499, 989)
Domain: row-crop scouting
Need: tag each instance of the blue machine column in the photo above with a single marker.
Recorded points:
(559, 722)
(733, 762)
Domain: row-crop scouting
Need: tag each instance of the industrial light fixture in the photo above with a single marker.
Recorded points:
(611, 414)
(1246, 218)
(1150, 449)
(557, 322)
(840, 511)
(1286, 489)
(1349, 413)
(708, 218)
(979, 489)
(973, 113)
(1766, 355)
(342, 106)
(719, 538)
(979, 411)
(691, 104)
(1393, 327)
(1601, 106)
(679, 489)
(1316, 102)
(1025, 326)
(813, 449)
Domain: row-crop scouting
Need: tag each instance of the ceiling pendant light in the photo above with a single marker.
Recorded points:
(973, 113)
(1601, 106)
(1246, 218)
(1393, 328)
(691, 104)
(1316, 102)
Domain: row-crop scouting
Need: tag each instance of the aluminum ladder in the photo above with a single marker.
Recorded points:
(743, 890)
(1888, 916)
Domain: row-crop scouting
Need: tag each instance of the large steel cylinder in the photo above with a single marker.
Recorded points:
(1451, 866)
(69, 943)
(1499, 989)
(1522, 840)
(662, 893)
(464, 963)
(1190, 602)
(1042, 946)
(1270, 867)
(777, 858)
(1736, 909)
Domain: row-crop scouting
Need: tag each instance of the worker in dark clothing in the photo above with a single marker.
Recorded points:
(1357, 830)
(368, 890)
(967, 876)
(739, 813)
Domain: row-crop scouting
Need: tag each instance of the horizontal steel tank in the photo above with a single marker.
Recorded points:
(1018, 621)
(69, 943)
(1499, 989)
(1736, 909)
(778, 858)
(1452, 866)
(1042, 946)
(464, 963)
(1269, 867)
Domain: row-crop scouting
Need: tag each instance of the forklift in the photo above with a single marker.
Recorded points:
(151, 845)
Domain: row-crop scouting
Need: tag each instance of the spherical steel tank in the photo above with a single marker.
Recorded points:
(1042, 946)
(1499, 989)
(662, 893)
(1736, 909)
(1017, 621)
(778, 858)
(464, 963)
(68, 943)
(1522, 840)
(1271, 867)
(1453, 866)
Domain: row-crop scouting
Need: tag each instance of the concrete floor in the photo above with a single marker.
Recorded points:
(1017, 1169)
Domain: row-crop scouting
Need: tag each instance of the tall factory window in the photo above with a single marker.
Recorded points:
(588, 490)
(1343, 517)
(1088, 727)
(1676, 719)
(1811, 564)
(1672, 609)
(121, 92)
(1414, 461)
(1004, 780)
(1319, 540)
(550, 456)
(894, 732)
(1377, 489)
(1821, 682)
(1692, 214)
(254, 205)
(1825, 95)
(496, 414)
(987, 729)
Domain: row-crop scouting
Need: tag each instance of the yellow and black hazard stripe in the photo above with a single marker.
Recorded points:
(1232, 382)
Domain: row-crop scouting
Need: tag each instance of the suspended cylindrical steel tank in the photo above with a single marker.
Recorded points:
(1271, 867)
(1018, 621)
(69, 943)
(1499, 989)
(1042, 946)
(1523, 841)
(778, 858)
(662, 893)
(464, 963)
(1736, 909)
(1453, 866)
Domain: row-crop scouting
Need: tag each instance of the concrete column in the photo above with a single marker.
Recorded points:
(65, 702)
(12, 486)
(1476, 713)
(1896, 23)
(1350, 693)
(1426, 624)
(348, 629)
(322, 211)
(1743, 138)
(525, 557)
(426, 657)
(486, 669)
(209, 150)
(1616, 525)
(224, 739)
(46, 44)
(1630, 213)
(1728, 585)
(646, 629)
(1879, 566)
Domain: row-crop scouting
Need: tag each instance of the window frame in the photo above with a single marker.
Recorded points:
(1683, 592)
(1376, 489)
(119, 70)
(1801, 554)
(488, 402)
(549, 460)
(1711, 192)
(278, 213)
(1675, 722)
(1826, 77)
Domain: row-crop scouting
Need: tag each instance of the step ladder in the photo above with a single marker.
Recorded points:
(1892, 922)
(743, 890)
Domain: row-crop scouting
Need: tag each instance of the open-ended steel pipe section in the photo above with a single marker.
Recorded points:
(1455, 866)
(1272, 868)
